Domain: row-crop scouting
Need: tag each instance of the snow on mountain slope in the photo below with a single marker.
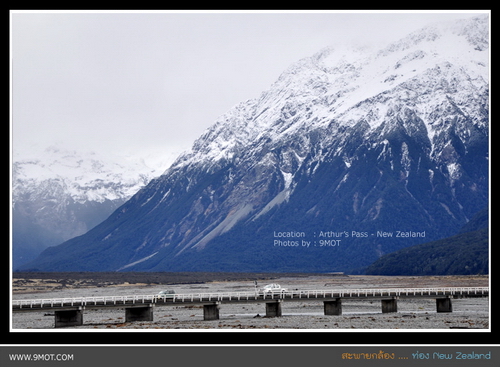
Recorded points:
(349, 84)
(85, 176)
(58, 194)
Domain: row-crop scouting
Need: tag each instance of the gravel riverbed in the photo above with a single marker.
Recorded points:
(468, 313)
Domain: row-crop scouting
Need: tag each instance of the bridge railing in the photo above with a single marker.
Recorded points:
(245, 296)
(82, 301)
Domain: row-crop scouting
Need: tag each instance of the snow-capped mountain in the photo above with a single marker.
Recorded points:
(350, 154)
(58, 194)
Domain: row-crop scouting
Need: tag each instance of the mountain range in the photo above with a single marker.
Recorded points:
(353, 153)
(59, 193)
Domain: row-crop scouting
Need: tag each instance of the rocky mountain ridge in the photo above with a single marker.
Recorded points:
(58, 194)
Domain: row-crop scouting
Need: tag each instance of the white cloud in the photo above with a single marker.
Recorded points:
(128, 81)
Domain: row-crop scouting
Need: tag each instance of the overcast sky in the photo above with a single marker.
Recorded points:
(130, 82)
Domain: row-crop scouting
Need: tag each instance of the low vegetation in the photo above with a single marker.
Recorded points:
(59, 280)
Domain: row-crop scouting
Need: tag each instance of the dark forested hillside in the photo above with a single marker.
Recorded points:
(463, 254)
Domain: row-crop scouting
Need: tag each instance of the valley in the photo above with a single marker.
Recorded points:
(389, 144)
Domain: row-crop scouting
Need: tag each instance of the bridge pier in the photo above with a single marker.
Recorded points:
(273, 309)
(443, 305)
(139, 313)
(68, 318)
(333, 307)
(390, 305)
(211, 311)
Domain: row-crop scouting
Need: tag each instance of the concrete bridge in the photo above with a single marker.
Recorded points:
(69, 311)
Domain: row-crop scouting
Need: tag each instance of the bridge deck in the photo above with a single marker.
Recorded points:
(235, 297)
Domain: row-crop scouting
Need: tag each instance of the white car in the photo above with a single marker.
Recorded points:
(166, 294)
(272, 288)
